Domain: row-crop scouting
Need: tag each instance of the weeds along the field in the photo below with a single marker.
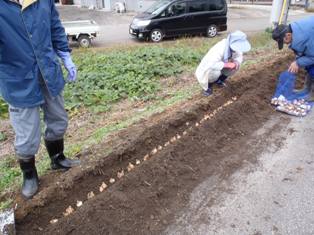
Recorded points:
(107, 75)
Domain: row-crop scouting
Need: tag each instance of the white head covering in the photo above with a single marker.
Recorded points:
(239, 43)
(236, 41)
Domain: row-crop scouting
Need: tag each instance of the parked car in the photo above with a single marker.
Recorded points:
(81, 31)
(168, 18)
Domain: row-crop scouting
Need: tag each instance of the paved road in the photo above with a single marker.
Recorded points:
(274, 197)
(115, 27)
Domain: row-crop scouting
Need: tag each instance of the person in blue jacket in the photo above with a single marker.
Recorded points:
(299, 35)
(32, 40)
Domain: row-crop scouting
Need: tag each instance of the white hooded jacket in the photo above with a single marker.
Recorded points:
(211, 66)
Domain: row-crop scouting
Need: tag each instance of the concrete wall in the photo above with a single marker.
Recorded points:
(143, 5)
(131, 5)
(85, 3)
(77, 2)
(135, 5)
(310, 5)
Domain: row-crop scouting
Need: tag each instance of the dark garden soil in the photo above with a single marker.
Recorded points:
(146, 199)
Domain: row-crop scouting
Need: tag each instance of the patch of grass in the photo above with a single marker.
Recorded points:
(5, 204)
(9, 173)
(3, 109)
(158, 107)
(269, 30)
(261, 41)
(43, 163)
(3, 137)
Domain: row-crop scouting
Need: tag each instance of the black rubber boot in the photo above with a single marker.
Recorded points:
(30, 177)
(58, 160)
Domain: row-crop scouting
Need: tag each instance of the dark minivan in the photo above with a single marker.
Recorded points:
(168, 18)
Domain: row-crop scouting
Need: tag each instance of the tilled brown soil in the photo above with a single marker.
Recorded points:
(145, 200)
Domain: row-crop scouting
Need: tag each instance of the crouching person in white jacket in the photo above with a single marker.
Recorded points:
(222, 61)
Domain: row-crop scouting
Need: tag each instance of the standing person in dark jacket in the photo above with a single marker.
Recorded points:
(299, 36)
(31, 40)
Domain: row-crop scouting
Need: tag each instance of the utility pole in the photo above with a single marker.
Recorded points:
(279, 13)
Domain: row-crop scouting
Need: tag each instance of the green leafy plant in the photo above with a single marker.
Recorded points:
(107, 78)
